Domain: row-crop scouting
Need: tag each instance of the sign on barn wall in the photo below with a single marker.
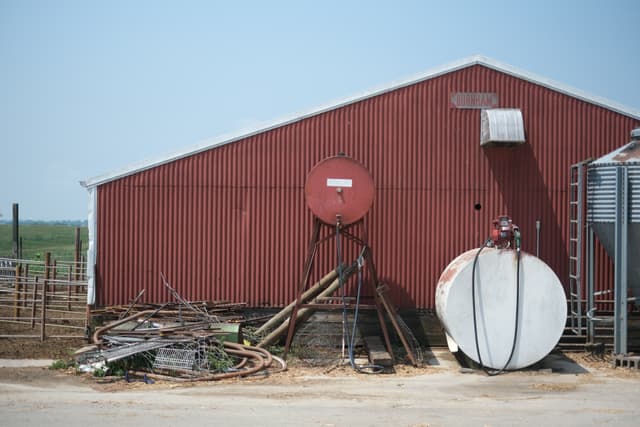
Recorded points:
(474, 100)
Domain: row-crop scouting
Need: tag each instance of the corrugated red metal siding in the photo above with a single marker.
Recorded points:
(231, 223)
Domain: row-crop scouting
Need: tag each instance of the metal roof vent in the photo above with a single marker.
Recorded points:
(501, 127)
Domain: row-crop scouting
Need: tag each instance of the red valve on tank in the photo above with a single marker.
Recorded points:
(505, 233)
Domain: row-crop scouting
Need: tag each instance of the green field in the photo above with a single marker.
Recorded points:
(37, 239)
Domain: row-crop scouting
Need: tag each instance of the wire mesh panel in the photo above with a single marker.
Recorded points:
(176, 359)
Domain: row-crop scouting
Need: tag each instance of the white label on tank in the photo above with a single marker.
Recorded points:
(339, 182)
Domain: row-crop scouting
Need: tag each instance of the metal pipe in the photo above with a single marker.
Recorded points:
(98, 332)
(135, 301)
(308, 294)
(275, 334)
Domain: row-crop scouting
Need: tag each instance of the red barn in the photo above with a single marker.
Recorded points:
(228, 221)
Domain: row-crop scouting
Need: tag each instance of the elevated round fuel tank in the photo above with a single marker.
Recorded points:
(339, 189)
(542, 308)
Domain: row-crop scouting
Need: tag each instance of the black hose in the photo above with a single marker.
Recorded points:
(475, 322)
(473, 301)
(367, 368)
(363, 369)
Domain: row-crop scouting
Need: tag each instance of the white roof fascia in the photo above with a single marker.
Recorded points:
(558, 87)
(426, 75)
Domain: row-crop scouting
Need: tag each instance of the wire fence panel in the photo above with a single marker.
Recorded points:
(40, 299)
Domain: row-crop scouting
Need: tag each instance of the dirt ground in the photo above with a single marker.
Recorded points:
(570, 390)
(294, 375)
(63, 349)
(33, 348)
(578, 389)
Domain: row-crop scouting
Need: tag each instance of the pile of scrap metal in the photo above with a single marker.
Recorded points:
(177, 342)
(224, 311)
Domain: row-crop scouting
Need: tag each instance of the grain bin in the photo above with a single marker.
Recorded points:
(613, 191)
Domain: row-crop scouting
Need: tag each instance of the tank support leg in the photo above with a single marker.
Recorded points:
(313, 249)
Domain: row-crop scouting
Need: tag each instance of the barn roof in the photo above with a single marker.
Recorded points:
(426, 75)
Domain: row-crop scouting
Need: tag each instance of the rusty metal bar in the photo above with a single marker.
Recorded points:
(38, 336)
(340, 306)
(133, 303)
(391, 312)
(368, 255)
(53, 325)
(313, 248)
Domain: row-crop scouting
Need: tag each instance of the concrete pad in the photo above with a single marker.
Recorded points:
(439, 397)
(441, 358)
(25, 363)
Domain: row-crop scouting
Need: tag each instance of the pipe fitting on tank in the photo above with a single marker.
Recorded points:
(503, 232)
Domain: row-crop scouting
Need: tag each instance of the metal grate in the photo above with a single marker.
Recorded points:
(176, 359)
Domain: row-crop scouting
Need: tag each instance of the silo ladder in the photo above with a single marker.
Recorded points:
(576, 226)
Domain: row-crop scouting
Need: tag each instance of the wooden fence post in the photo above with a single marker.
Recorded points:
(78, 249)
(25, 283)
(54, 278)
(47, 266)
(16, 231)
(83, 271)
(70, 275)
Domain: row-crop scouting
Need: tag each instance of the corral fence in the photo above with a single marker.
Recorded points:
(43, 299)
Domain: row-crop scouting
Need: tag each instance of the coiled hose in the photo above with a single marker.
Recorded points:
(261, 360)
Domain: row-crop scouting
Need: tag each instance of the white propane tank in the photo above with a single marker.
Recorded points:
(542, 309)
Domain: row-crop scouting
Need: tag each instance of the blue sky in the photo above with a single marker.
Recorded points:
(88, 87)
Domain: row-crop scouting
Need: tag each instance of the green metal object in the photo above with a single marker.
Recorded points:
(227, 332)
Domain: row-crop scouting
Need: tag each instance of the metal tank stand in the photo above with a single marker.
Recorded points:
(621, 263)
(379, 305)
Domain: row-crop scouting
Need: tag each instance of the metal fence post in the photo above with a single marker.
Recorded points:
(17, 289)
(621, 264)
